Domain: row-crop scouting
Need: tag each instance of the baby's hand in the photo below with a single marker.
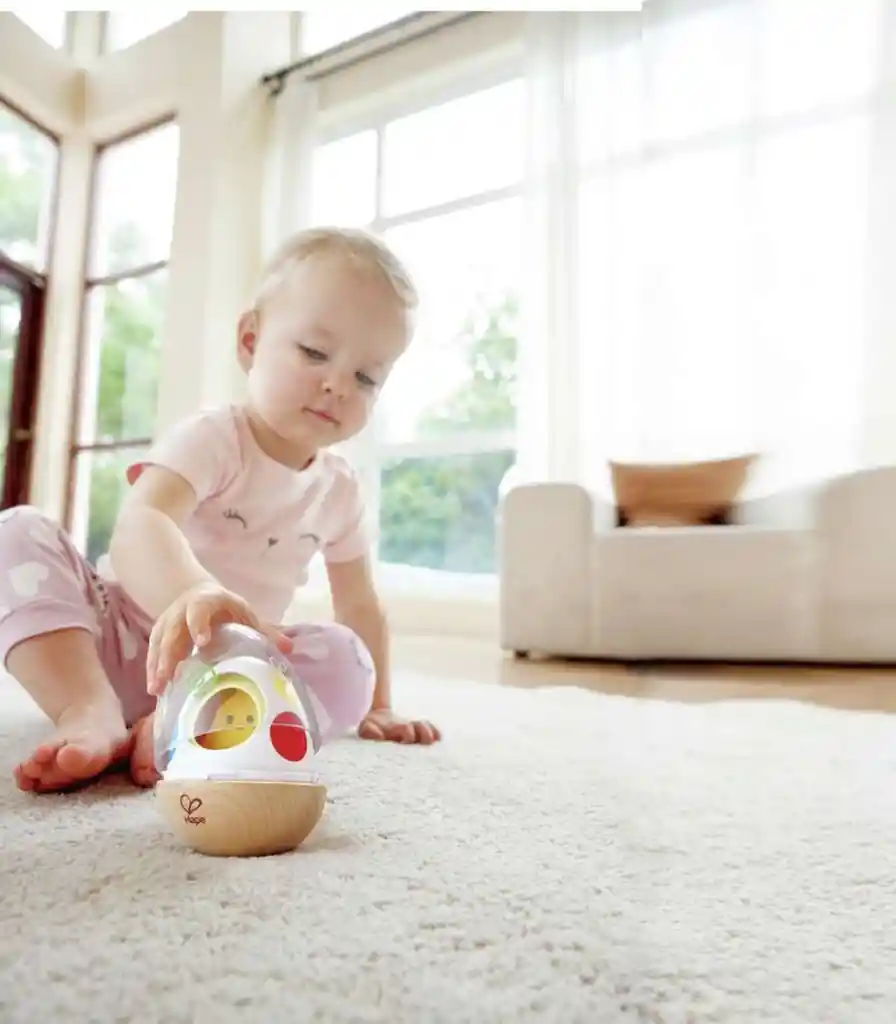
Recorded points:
(384, 724)
(188, 620)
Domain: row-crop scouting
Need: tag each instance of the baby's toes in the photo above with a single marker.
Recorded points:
(34, 767)
(426, 733)
(23, 780)
(44, 755)
(55, 780)
(401, 733)
(144, 776)
(142, 765)
(370, 731)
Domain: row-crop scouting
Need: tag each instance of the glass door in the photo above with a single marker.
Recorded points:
(21, 322)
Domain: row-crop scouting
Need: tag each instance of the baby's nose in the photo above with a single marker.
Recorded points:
(337, 383)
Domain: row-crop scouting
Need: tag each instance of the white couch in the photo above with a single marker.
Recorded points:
(802, 577)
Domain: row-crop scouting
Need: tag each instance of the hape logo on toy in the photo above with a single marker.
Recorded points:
(190, 806)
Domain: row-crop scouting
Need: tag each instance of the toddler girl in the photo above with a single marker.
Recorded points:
(221, 519)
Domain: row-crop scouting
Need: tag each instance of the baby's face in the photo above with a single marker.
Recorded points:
(326, 342)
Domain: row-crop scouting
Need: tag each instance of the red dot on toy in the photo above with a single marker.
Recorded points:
(288, 736)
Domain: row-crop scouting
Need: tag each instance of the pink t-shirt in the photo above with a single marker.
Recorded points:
(259, 523)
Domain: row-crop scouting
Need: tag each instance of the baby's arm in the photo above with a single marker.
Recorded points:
(153, 561)
(149, 552)
(357, 605)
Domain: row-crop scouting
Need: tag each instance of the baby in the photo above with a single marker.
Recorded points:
(220, 521)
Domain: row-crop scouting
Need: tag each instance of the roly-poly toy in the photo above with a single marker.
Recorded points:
(235, 743)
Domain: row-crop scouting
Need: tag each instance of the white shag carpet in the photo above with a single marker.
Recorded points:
(562, 856)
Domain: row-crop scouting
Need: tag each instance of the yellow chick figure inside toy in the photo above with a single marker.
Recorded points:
(234, 722)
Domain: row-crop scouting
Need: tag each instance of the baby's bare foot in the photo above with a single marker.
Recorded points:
(86, 742)
(143, 769)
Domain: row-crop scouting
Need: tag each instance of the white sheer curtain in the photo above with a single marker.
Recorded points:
(292, 136)
(712, 186)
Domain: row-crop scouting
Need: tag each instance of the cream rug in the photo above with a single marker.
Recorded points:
(562, 857)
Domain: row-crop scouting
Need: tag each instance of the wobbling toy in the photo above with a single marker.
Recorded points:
(235, 737)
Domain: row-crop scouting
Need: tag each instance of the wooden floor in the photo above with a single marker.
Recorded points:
(854, 688)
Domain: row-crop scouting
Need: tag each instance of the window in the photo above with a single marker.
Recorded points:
(50, 25)
(723, 198)
(129, 26)
(443, 435)
(28, 159)
(123, 322)
(21, 321)
(324, 28)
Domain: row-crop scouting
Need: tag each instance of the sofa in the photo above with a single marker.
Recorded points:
(807, 576)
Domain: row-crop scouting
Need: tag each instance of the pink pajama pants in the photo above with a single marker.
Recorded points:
(47, 585)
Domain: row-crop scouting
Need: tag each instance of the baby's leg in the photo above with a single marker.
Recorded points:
(63, 675)
(48, 629)
(337, 668)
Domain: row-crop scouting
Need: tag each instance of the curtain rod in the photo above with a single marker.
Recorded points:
(370, 44)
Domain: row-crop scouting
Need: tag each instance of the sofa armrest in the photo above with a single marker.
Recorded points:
(545, 552)
(857, 538)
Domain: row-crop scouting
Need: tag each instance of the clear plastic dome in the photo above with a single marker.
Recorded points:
(236, 710)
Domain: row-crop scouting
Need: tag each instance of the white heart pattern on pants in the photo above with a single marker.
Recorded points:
(27, 578)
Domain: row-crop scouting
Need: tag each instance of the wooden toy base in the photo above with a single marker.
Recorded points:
(240, 819)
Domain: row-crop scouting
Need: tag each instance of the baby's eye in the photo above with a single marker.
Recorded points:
(250, 719)
(315, 355)
(229, 719)
(365, 381)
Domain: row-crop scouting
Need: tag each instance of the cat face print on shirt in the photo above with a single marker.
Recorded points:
(308, 544)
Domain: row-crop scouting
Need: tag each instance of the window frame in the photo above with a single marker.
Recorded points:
(32, 285)
(76, 448)
(53, 208)
(32, 290)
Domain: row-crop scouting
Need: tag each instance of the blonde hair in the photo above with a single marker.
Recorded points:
(356, 247)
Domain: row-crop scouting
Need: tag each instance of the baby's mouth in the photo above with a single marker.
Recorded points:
(323, 415)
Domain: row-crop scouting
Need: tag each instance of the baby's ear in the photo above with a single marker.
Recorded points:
(247, 338)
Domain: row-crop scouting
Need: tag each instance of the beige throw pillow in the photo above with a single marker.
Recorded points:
(684, 494)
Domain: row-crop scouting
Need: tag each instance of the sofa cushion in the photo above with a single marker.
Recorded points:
(737, 593)
(678, 494)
